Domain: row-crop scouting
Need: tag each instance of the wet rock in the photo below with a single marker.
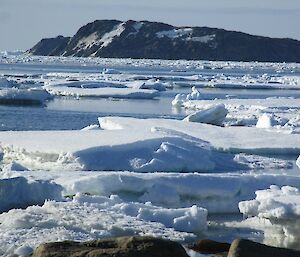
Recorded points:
(207, 246)
(247, 248)
(134, 246)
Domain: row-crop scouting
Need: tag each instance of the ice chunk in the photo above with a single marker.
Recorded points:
(265, 121)
(214, 115)
(4, 83)
(281, 206)
(91, 127)
(14, 166)
(18, 192)
(24, 96)
(298, 162)
(179, 100)
(195, 95)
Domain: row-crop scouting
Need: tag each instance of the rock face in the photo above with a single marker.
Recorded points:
(246, 248)
(207, 246)
(117, 247)
(152, 40)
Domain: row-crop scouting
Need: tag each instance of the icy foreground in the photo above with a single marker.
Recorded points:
(179, 179)
(127, 203)
(93, 217)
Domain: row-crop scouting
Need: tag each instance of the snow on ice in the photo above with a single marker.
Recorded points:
(276, 211)
(93, 217)
(149, 145)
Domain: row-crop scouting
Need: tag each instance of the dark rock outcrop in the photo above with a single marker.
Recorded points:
(152, 40)
(52, 46)
(207, 246)
(117, 247)
(247, 248)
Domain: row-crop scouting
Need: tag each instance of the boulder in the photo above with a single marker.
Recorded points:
(247, 248)
(207, 246)
(133, 246)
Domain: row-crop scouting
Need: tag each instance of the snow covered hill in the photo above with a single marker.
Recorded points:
(152, 40)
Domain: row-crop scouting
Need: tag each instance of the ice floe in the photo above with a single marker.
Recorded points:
(214, 115)
(144, 145)
(15, 96)
(99, 89)
(13, 93)
(274, 210)
(19, 192)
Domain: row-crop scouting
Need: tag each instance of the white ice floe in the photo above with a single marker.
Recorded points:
(144, 145)
(98, 89)
(94, 217)
(218, 193)
(274, 203)
(19, 192)
(214, 115)
(24, 96)
(12, 92)
(228, 139)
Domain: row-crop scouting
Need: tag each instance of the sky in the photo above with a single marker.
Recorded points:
(24, 22)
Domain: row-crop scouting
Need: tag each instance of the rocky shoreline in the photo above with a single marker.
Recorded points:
(146, 246)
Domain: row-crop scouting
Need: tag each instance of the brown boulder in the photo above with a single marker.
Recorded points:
(207, 246)
(247, 248)
(134, 246)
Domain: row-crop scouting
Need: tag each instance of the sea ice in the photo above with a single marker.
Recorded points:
(265, 121)
(280, 206)
(12, 93)
(246, 112)
(99, 89)
(19, 192)
(93, 217)
(24, 96)
(214, 115)
(274, 203)
(145, 145)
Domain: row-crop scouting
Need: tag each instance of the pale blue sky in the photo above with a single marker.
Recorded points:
(24, 22)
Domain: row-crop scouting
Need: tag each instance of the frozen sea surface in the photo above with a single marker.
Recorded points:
(149, 171)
